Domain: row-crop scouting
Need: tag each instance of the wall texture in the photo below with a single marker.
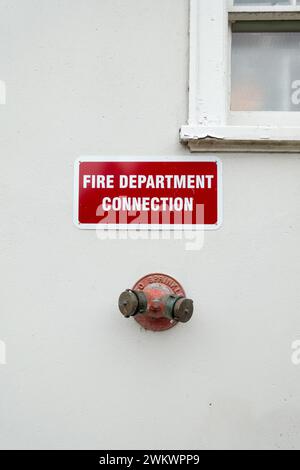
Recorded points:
(109, 77)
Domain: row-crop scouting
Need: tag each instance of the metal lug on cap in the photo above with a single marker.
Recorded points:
(142, 301)
(170, 302)
(183, 310)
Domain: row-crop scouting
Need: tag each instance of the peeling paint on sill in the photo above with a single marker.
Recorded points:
(241, 139)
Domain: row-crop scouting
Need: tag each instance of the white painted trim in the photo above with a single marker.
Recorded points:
(211, 124)
(241, 132)
(241, 139)
(208, 56)
(194, 62)
(250, 15)
(140, 227)
(263, 9)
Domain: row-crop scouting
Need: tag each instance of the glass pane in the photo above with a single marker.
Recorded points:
(266, 69)
(263, 2)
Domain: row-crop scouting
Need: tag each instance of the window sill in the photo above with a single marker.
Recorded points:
(241, 139)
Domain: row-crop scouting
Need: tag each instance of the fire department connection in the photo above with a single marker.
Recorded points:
(145, 204)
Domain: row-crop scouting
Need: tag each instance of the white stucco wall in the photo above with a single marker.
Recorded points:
(109, 77)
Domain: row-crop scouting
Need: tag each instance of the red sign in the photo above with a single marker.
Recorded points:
(149, 193)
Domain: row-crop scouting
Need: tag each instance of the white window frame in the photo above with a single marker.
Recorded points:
(212, 126)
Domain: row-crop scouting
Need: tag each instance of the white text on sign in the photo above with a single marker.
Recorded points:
(149, 182)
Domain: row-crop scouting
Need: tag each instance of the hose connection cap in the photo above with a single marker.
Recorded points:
(183, 310)
(132, 302)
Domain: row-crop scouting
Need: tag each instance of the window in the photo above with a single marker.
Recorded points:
(244, 76)
(265, 66)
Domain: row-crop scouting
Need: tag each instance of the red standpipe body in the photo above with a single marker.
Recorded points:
(157, 287)
(157, 302)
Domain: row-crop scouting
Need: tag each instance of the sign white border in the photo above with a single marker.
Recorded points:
(139, 227)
